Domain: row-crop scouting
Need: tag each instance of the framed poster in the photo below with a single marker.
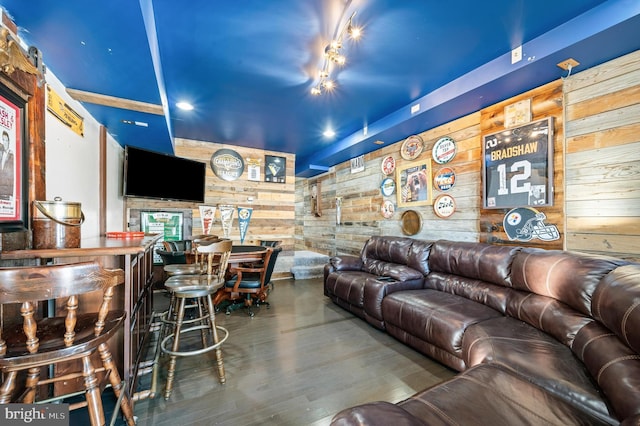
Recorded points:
(517, 170)
(13, 159)
(413, 183)
(275, 169)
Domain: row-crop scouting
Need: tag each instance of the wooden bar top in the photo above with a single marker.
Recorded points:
(98, 246)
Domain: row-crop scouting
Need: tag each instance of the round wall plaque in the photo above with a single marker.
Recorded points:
(227, 164)
(444, 206)
(388, 187)
(444, 150)
(444, 179)
(411, 222)
(387, 209)
(388, 165)
(412, 147)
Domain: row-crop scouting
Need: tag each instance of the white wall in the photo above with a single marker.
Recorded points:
(73, 166)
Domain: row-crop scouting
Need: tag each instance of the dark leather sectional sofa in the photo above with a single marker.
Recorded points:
(538, 336)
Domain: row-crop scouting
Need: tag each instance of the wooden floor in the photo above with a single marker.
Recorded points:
(297, 363)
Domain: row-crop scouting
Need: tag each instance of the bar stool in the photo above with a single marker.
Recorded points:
(198, 288)
(198, 266)
(48, 340)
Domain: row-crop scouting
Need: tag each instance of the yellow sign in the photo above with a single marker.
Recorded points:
(63, 112)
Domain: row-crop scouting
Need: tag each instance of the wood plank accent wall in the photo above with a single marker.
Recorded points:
(362, 199)
(603, 158)
(273, 203)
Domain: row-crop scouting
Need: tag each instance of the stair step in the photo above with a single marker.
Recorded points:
(305, 272)
(305, 257)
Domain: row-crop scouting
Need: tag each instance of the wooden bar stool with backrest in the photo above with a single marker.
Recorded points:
(39, 341)
(199, 288)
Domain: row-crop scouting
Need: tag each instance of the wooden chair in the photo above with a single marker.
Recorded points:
(250, 283)
(197, 265)
(199, 289)
(50, 340)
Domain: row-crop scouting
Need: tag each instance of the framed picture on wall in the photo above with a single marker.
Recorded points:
(13, 159)
(413, 183)
(275, 169)
(517, 170)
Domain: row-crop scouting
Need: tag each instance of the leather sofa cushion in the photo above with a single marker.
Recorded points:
(379, 413)
(489, 394)
(473, 260)
(538, 358)
(566, 276)
(386, 248)
(435, 317)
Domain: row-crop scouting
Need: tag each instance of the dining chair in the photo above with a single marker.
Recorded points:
(65, 342)
(199, 289)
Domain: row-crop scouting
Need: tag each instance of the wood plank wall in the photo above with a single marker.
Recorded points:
(362, 199)
(273, 203)
(603, 158)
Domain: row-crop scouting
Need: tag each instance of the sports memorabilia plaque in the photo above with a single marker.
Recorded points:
(518, 166)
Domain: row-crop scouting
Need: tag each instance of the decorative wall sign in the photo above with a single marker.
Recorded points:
(444, 150)
(357, 164)
(253, 169)
(388, 165)
(387, 209)
(444, 205)
(275, 169)
(444, 179)
(63, 112)
(527, 223)
(388, 187)
(227, 164)
(413, 182)
(411, 222)
(412, 147)
(518, 166)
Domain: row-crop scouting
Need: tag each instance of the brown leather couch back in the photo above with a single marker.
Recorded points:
(381, 254)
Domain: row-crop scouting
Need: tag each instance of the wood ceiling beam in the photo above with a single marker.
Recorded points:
(112, 101)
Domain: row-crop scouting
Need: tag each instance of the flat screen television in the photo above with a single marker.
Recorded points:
(149, 174)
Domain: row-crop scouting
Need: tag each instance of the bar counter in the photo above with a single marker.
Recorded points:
(135, 257)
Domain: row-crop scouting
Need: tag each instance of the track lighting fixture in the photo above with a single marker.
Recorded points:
(333, 55)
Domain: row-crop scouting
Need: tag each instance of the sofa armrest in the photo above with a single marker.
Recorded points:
(346, 263)
(376, 289)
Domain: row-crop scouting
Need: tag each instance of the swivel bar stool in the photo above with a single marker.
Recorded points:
(199, 288)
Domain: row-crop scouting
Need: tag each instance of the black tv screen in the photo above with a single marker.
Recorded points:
(149, 174)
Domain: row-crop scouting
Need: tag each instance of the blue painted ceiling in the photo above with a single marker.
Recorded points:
(248, 65)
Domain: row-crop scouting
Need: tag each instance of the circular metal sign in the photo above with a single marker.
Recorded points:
(444, 179)
(227, 164)
(387, 209)
(388, 187)
(388, 165)
(444, 206)
(444, 150)
(412, 147)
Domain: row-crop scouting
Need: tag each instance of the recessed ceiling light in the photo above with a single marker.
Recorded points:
(185, 106)
(329, 133)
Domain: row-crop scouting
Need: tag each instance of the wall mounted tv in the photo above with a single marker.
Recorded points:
(149, 174)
